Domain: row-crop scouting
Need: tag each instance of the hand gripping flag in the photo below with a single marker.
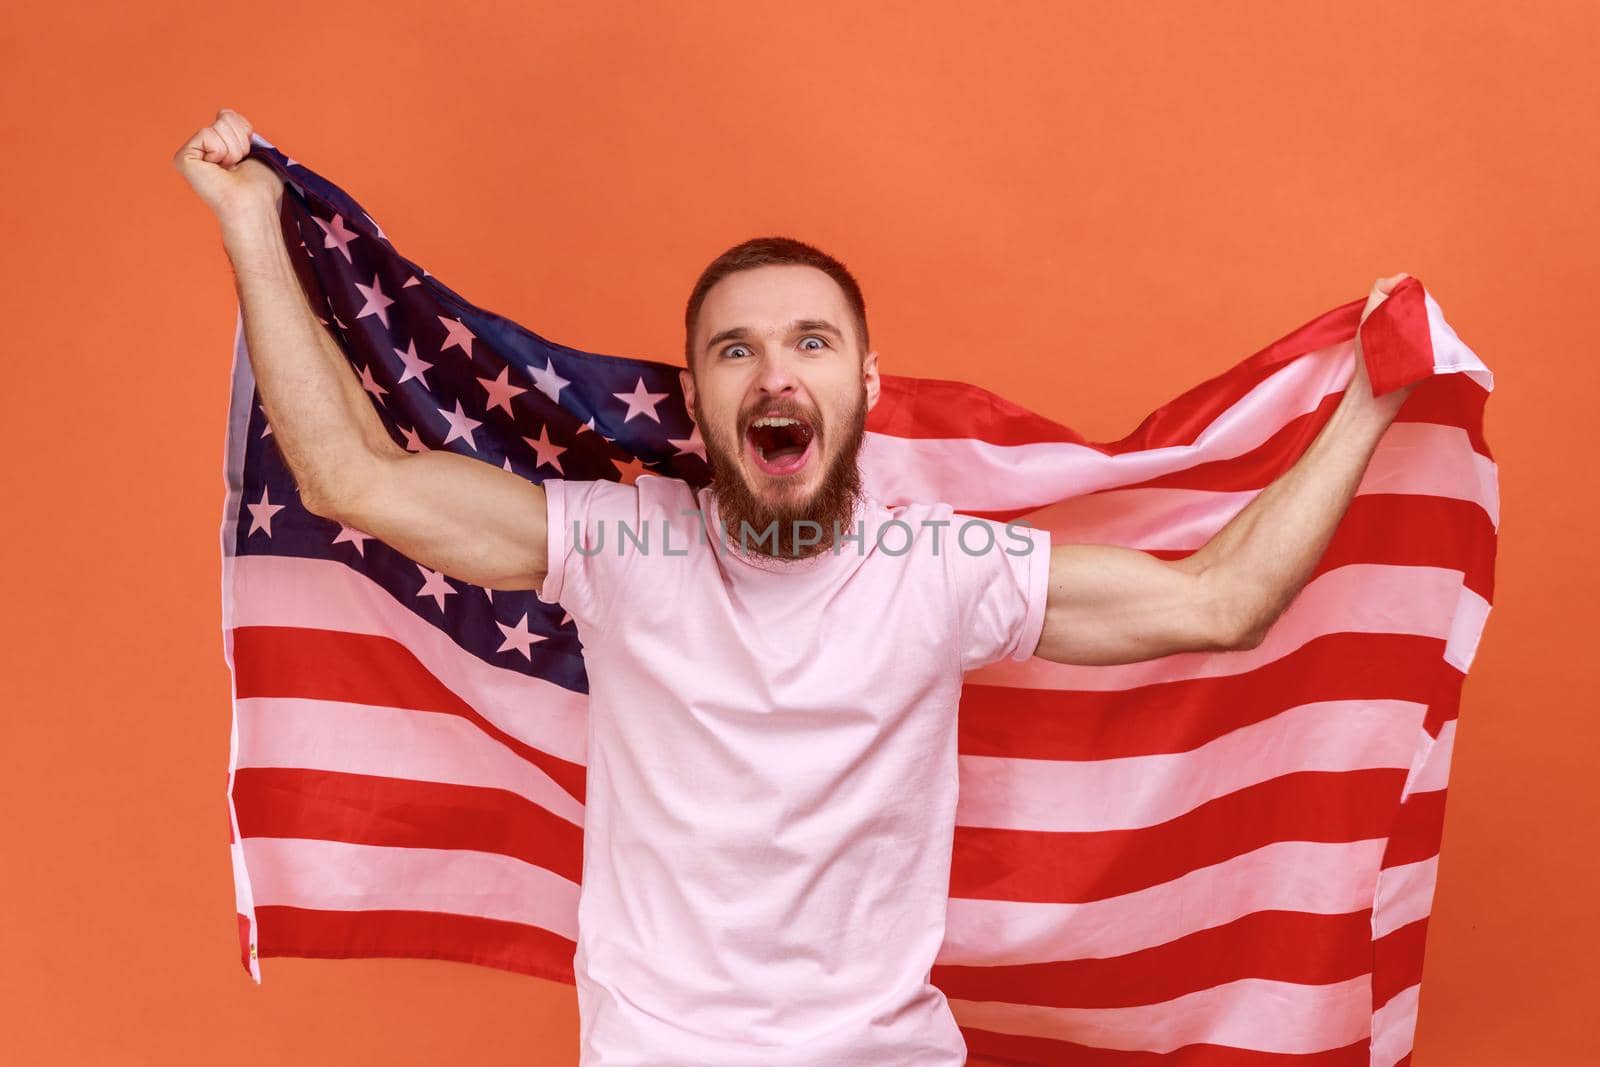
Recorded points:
(1208, 858)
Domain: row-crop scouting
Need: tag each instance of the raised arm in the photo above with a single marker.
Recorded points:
(454, 514)
(1109, 604)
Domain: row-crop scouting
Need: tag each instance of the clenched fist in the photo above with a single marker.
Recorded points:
(213, 163)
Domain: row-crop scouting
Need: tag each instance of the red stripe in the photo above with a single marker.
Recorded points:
(1418, 828)
(290, 661)
(923, 408)
(1450, 400)
(1179, 716)
(1028, 1051)
(509, 946)
(368, 810)
(1379, 528)
(1258, 467)
(938, 408)
(1076, 867)
(1282, 946)
(1398, 961)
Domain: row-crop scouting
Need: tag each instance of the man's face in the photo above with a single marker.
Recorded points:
(780, 390)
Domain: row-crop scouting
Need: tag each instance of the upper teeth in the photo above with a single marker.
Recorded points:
(775, 420)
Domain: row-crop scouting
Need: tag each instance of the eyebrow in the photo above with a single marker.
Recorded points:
(798, 325)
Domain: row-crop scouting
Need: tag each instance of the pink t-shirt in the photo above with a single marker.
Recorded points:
(771, 789)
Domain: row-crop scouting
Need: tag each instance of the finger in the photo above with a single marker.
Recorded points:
(230, 137)
(213, 149)
(239, 126)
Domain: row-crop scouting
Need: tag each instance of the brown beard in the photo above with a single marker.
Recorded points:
(778, 530)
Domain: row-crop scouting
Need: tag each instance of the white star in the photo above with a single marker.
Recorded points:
(566, 617)
(628, 471)
(413, 441)
(548, 382)
(413, 280)
(460, 425)
(640, 401)
(377, 304)
(415, 365)
(375, 226)
(545, 451)
(355, 537)
(456, 334)
(261, 514)
(337, 236)
(370, 384)
(518, 637)
(694, 445)
(501, 391)
(434, 585)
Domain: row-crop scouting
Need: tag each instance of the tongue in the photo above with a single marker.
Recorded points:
(779, 442)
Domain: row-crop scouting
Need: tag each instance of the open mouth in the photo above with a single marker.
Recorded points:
(779, 445)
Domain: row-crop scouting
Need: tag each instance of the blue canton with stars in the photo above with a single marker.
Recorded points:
(443, 374)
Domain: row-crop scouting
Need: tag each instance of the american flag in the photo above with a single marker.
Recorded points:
(1207, 859)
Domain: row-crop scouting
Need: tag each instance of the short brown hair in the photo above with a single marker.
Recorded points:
(770, 251)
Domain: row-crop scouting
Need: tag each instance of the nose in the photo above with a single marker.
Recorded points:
(777, 376)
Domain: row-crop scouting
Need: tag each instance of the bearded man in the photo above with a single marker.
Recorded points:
(772, 772)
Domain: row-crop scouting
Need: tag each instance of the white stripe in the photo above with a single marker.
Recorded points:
(424, 746)
(1465, 630)
(1394, 1027)
(1449, 354)
(340, 876)
(1303, 876)
(1252, 1013)
(324, 594)
(1434, 774)
(1083, 796)
(1412, 459)
(1426, 459)
(994, 477)
(1405, 894)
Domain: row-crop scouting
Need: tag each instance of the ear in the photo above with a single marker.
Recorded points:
(686, 383)
(869, 377)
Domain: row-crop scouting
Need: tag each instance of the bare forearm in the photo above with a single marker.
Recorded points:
(1262, 558)
(322, 420)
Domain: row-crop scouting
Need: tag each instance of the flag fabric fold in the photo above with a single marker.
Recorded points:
(1206, 858)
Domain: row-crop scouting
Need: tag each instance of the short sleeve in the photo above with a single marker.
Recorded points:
(584, 571)
(1000, 574)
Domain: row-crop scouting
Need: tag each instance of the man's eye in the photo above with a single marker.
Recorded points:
(731, 349)
(819, 340)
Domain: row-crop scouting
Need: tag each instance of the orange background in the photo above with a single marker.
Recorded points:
(1088, 208)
